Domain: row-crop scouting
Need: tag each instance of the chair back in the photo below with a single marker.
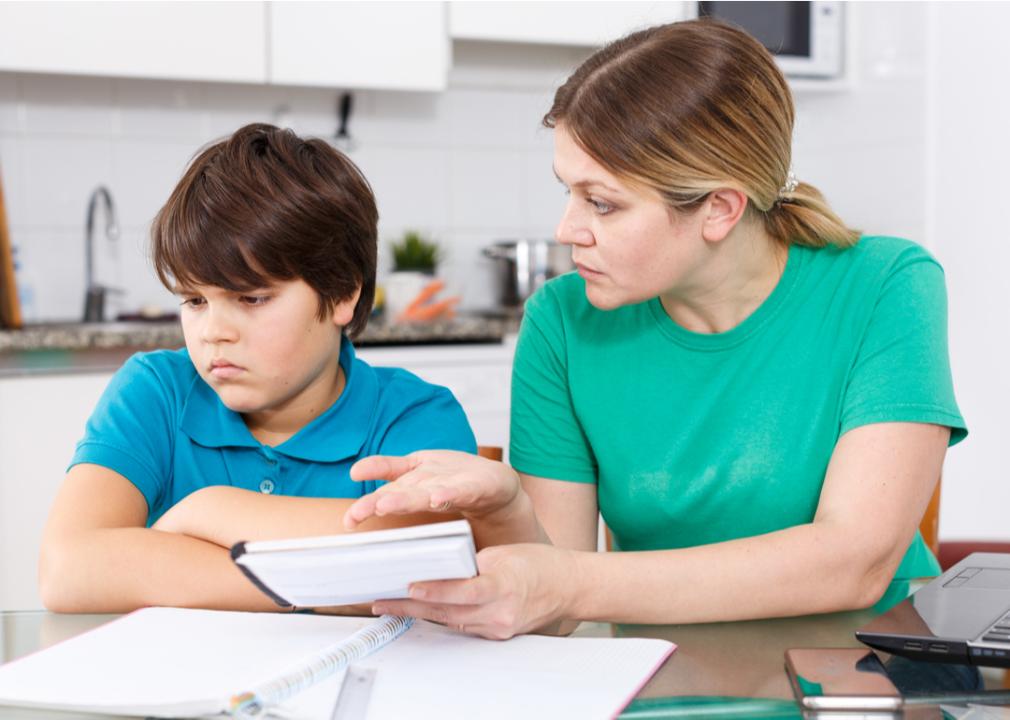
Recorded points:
(491, 452)
(929, 527)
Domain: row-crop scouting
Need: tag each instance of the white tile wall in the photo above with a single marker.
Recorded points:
(467, 166)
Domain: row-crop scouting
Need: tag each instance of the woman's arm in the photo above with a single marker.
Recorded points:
(225, 515)
(877, 486)
(97, 556)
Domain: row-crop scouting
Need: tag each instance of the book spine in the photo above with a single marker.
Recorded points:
(254, 702)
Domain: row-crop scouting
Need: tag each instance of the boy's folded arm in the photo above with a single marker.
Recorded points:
(97, 556)
(225, 515)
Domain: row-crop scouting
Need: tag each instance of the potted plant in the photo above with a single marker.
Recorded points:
(414, 253)
(415, 259)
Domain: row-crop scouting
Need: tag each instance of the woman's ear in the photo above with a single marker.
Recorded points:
(725, 207)
(343, 311)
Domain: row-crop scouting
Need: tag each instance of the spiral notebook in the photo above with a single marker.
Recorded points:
(171, 662)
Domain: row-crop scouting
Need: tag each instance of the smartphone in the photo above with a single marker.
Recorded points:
(841, 680)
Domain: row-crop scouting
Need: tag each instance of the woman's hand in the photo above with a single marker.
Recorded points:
(520, 589)
(438, 481)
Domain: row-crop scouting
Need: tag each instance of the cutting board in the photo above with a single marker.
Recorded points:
(10, 310)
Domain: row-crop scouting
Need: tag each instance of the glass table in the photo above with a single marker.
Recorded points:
(720, 670)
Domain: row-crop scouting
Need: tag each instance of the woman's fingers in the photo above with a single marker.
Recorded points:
(382, 467)
(464, 605)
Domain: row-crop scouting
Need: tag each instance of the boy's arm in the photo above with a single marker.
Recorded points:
(97, 556)
(225, 515)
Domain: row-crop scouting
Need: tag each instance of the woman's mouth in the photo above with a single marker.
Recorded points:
(587, 272)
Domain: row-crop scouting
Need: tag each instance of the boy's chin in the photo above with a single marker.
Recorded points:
(241, 402)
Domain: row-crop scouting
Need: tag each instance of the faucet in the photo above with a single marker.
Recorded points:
(94, 297)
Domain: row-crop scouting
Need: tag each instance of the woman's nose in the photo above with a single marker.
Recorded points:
(571, 229)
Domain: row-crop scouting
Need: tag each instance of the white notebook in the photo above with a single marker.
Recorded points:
(357, 567)
(170, 662)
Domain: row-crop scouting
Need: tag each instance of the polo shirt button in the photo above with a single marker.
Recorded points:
(267, 486)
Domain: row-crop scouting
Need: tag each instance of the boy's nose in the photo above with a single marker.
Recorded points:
(217, 327)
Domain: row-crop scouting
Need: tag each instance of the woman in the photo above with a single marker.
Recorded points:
(756, 398)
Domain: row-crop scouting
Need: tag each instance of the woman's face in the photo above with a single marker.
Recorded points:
(626, 243)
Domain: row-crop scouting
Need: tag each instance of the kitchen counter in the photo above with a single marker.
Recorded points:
(99, 347)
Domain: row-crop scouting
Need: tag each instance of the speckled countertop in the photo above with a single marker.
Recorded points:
(92, 347)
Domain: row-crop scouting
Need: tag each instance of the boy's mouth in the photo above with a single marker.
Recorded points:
(224, 370)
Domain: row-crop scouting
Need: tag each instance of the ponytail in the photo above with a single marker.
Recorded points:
(803, 217)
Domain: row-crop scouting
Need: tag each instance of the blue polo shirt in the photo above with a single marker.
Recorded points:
(163, 428)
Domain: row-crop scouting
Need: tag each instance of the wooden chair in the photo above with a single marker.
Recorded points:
(491, 452)
(930, 525)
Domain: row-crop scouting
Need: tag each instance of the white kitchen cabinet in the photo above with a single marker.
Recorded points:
(558, 23)
(41, 420)
(223, 41)
(479, 376)
(385, 45)
(42, 417)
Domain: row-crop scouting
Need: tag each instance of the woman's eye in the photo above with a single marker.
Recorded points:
(601, 207)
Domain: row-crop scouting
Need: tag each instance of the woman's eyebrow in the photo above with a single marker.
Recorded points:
(587, 184)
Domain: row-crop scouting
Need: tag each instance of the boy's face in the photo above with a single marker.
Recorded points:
(265, 352)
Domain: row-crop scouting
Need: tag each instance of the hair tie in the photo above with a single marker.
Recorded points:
(791, 184)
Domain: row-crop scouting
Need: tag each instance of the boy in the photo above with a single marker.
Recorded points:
(249, 432)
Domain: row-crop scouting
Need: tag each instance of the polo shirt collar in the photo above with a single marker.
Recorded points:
(337, 434)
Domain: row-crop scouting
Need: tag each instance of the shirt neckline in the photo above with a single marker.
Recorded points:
(795, 260)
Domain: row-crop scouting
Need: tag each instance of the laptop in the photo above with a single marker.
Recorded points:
(963, 616)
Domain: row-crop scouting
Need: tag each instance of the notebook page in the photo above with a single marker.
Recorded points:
(169, 662)
(434, 672)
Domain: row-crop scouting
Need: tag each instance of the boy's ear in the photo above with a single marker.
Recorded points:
(343, 311)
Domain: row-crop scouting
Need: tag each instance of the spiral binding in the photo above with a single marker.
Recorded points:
(253, 703)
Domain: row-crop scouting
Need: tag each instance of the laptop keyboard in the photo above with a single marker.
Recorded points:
(999, 632)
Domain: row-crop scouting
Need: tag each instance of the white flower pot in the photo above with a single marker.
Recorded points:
(401, 289)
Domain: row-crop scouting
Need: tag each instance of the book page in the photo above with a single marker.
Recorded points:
(168, 662)
(434, 672)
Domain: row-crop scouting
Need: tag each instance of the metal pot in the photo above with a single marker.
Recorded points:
(523, 266)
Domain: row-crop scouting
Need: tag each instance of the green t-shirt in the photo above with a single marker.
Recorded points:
(700, 438)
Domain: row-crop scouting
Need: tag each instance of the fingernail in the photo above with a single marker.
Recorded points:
(378, 609)
(417, 593)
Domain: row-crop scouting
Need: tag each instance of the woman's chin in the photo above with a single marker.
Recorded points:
(603, 300)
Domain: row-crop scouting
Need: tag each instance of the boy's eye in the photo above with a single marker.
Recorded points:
(193, 302)
(255, 299)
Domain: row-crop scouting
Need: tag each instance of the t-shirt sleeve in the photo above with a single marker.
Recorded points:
(546, 437)
(902, 369)
(130, 430)
(435, 421)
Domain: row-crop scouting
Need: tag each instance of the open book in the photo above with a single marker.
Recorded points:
(357, 567)
(170, 662)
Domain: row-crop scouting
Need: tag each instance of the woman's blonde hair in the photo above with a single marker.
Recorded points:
(690, 107)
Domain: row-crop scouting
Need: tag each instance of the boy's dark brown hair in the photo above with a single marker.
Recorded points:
(265, 205)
